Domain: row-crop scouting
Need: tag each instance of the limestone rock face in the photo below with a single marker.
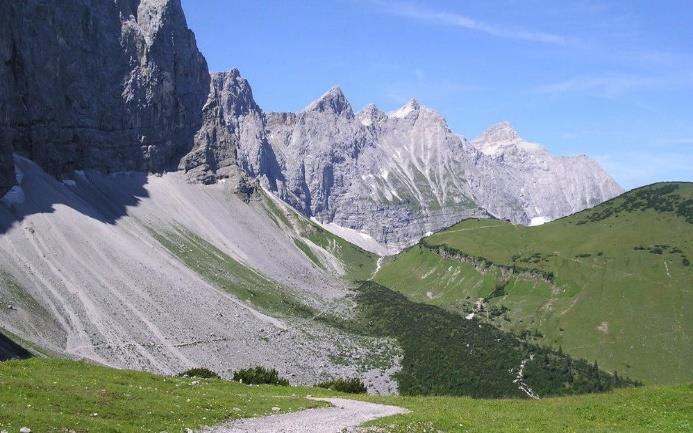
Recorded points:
(231, 141)
(113, 85)
(393, 176)
(397, 176)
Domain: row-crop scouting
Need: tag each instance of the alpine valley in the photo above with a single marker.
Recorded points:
(155, 218)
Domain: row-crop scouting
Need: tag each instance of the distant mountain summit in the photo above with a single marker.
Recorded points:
(524, 183)
(332, 101)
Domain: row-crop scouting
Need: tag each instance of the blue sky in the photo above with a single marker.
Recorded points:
(611, 79)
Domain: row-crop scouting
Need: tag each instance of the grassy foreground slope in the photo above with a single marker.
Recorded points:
(50, 395)
(612, 284)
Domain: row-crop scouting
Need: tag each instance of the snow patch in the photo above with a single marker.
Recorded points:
(69, 182)
(537, 221)
(357, 238)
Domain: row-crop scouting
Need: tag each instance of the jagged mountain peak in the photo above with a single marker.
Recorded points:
(332, 101)
(501, 131)
(370, 114)
(235, 90)
(406, 109)
(502, 138)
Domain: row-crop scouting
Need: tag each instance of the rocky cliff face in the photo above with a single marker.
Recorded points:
(397, 176)
(393, 176)
(114, 85)
(120, 85)
(232, 140)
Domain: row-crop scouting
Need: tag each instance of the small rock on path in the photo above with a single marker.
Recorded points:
(343, 415)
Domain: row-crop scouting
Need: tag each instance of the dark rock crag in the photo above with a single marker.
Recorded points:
(111, 85)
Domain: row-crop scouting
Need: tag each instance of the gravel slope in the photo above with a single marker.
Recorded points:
(343, 415)
(81, 275)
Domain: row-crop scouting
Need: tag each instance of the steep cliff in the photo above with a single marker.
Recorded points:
(231, 141)
(115, 85)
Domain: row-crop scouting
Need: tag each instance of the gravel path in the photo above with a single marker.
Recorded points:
(344, 414)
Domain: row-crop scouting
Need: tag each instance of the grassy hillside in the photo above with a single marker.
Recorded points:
(230, 275)
(49, 395)
(611, 284)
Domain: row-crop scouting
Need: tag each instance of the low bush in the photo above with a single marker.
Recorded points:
(259, 376)
(202, 373)
(351, 386)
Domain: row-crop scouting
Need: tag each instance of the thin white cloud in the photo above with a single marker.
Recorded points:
(445, 18)
(609, 85)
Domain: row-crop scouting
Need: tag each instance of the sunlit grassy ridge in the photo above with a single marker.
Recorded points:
(612, 284)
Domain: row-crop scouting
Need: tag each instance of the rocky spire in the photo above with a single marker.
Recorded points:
(406, 109)
(502, 131)
(332, 101)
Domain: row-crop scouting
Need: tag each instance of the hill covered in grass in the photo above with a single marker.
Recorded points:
(611, 284)
(661, 409)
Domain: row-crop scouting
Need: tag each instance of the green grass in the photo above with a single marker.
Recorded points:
(654, 409)
(56, 396)
(620, 286)
(228, 274)
(308, 252)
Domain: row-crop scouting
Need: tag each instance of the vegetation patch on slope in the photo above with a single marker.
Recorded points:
(50, 395)
(447, 355)
(359, 264)
(228, 274)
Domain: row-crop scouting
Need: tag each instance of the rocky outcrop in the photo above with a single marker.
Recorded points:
(232, 135)
(98, 84)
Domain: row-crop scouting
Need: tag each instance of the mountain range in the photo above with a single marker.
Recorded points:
(143, 100)
(153, 216)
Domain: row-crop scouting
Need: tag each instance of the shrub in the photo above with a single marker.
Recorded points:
(258, 376)
(202, 373)
(351, 386)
